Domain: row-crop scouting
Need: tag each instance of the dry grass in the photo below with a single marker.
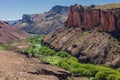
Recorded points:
(108, 6)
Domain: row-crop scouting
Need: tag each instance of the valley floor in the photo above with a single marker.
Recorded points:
(14, 66)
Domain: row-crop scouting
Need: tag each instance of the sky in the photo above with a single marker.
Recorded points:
(14, 9)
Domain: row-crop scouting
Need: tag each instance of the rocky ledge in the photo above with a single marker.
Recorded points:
(92, 35)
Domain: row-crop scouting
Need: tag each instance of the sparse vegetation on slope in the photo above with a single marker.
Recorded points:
(2, 46)
(108, 6)
(68, 62)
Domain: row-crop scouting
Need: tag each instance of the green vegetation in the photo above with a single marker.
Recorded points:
(85, 33)
(3, 46)
(68, 62)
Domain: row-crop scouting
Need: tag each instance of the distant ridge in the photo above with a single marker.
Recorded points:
(44, 23)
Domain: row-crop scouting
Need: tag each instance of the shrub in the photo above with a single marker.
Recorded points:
(103, 75)
(111, 77)
(118, 69)
(90, 67)
(102, 68)
(52, 60)
(71, 60)
(65, 65)
(62, 61)
(92, 78)
(100, 75)
(62, 54)
(30, 52)
(3, 46)
(81, 71)
(117, 77)
(46, 51)
(74, 65)
(35, 39)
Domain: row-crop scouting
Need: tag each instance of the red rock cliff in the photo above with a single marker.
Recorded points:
(105, 20)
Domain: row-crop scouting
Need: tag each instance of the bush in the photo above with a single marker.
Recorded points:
(81, 72)
(30, 52)
(65, 65)
(92, 78)
(117, 77)
(35, 39)
(3, 46)
(103, 75)
(52, 60)
(71, 60)
(111, 77)
(46, 51)
(118, 69)
(100, 75)
(74, 65)
(90, 67)
(102, 68)
(62, 54)
(62, 61)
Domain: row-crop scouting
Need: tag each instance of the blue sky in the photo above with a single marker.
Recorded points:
(14, 9)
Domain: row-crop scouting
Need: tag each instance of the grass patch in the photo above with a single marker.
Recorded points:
(3, 46)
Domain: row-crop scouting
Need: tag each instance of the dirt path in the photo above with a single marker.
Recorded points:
(15, 66)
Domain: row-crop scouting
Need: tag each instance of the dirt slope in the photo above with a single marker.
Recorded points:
(10, 34)
(14, 66)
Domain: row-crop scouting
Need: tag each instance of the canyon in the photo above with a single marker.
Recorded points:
(91, 34)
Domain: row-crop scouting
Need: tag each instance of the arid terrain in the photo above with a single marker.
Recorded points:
(16, 66)
(83, 44)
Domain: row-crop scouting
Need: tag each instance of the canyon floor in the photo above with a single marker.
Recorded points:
(16, 66)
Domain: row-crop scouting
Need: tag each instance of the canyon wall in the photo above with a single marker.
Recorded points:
(91, 34)
(89, 18)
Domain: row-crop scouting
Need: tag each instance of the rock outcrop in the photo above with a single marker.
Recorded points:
(106, 20)
(44, 23)
(10, 34)
(90, 18)
(91, 35)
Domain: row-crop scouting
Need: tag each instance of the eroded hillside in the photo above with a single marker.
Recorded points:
(10, 34)
(92, 35)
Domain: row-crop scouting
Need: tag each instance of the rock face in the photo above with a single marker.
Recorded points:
(90, 18)
(10, 34)
(106, 20)
(44, 23)
(91, 35)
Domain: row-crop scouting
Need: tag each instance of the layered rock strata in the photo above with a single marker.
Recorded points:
(91, 35)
